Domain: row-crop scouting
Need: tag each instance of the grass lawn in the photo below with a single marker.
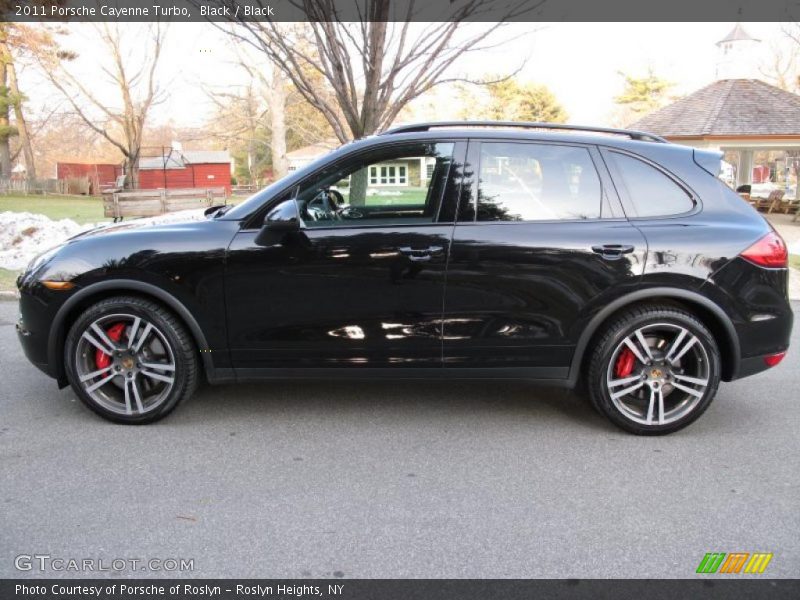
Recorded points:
(78, 208)
(8, 280)
(794, 261)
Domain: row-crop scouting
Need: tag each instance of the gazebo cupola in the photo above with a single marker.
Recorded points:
(736, 55)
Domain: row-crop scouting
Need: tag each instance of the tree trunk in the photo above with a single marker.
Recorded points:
(358, 187)
(22, 125)
(132, 172)
(6, 130)
(277, 110)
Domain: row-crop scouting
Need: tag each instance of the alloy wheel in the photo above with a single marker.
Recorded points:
(658, 374)
(125, 364)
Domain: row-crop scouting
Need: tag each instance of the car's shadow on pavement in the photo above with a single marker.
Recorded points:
(404, 401)
(476, 404)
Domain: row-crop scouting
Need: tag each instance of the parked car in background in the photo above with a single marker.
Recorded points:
(544, 252)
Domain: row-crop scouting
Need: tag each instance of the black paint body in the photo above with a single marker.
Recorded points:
(496, 299)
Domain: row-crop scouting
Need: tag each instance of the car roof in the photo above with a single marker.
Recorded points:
(650, 149)
(580, 137)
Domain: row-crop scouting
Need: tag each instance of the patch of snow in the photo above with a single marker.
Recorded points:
(23, 235)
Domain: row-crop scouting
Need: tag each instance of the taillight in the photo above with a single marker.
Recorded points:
(770, 251)
(773, 359)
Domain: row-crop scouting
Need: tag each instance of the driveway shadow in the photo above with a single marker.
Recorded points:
(513, 401)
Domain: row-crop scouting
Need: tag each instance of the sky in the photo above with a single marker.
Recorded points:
(579, 62)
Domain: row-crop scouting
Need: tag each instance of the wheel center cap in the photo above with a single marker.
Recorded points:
(128, 362)
(656, 373)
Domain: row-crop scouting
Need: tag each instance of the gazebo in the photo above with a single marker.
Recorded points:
(741, 116)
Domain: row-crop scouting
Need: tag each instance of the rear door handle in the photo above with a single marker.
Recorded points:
(420, 254)
(612, 251)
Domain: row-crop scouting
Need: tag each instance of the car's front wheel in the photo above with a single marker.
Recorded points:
(654, 370)
(130, 360)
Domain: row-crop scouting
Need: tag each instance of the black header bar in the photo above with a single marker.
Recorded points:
(400, 10)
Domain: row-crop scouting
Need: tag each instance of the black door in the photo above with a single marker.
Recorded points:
(541, 242)
(362, 283)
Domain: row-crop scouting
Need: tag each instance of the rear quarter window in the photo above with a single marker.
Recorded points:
(652, 193)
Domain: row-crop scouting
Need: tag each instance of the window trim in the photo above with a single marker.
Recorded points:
(609, 198)
(629, 206)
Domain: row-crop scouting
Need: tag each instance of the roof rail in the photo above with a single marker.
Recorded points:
(419, 127)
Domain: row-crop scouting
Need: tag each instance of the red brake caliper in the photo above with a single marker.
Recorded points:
(625, 362)
(114, 333)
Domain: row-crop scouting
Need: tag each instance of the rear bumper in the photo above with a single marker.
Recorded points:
(756, 301)
(752, 366)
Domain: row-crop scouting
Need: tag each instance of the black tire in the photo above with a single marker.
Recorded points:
(659, 376)
(166, 333)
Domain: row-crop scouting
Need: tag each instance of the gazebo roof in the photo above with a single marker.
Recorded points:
(730, 107)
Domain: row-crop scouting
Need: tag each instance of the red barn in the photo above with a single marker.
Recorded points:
(186, 169)
(99, 175)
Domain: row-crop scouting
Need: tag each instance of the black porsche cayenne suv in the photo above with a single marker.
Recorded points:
(545, 252)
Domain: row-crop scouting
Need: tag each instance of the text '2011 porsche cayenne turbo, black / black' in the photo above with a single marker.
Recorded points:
(451, 250)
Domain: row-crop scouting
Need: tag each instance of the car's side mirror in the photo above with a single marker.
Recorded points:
(281, 220)
(284, 217)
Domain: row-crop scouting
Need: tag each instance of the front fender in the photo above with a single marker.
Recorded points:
(58, 331)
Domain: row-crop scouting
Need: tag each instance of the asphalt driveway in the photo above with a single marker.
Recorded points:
(396, 480)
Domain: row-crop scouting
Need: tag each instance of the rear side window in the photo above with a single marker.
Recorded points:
(537, 182)
(652, 193)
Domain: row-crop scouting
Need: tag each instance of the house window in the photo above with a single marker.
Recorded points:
(383, 174)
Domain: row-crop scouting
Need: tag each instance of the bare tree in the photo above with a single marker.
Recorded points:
(371, 68)
(274, 88)
(267, 114)
(6, 129)
(238, 123)
(19, 44)
(784, 68)
(11, 98)
(137, 88)
(781, 66)
(277, 111)
(16, 38)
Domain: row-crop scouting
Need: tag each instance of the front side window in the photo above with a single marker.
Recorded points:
(537, 182)
(401, 185)
(652, 192)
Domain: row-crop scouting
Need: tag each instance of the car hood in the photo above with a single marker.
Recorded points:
(159, 222)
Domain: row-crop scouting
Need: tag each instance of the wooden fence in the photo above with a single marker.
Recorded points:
(149, 203)
(27, 187)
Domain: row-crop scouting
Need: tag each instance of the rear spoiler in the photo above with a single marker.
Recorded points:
(709, 160)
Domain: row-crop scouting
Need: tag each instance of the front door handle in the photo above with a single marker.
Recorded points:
(420, 254)
(612, 251)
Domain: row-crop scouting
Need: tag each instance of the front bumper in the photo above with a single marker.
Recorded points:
(34, 345)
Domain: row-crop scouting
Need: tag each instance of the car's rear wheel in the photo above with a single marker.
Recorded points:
(130, 360)
(654, 370)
